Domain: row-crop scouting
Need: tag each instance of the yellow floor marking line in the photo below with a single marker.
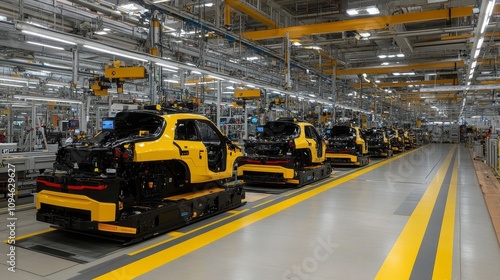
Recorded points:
(265, 202)
(148, 263)
(176, 233)
(399, 262)
(191, 231)
(443, 264)
(234, 211)
(32, 234)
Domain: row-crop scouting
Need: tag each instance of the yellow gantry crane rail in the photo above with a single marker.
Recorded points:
(405, 84)
(371, 23)
(394, 69)
(251, 12)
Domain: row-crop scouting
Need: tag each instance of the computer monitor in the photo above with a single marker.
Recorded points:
(74, 124)
(108, 124)
(260, 129)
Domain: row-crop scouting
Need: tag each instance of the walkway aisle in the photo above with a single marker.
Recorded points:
(477, 254)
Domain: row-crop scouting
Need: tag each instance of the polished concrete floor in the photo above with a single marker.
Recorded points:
(419, 215)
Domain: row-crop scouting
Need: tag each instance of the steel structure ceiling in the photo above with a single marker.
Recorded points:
(414, 55)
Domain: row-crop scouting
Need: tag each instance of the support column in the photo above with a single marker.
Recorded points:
(75, 66)
(219, 94)
(155, 72)
(288, 79)
(10, 125)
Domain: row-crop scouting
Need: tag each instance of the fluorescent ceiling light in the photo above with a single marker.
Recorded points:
(296, 44)
(196, 72)
(364, 34)
(115, 53)
(171, 81)
(480, 43)
(476, 54)
(400, 55)
(55, 85)
(313, 47)
(18, 81)
(56, 66)
(211, 76)
(382, 56)
(48, 37)
(385, 63)
(169, 70)
(10, 85)
(42, 98)
(167, 66)
(352, 12)
(373, 10)
(100, 32)
(252, 58)
(160, 1)
(130, 7)
(44, 45)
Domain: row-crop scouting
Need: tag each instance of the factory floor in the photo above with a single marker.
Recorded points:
(418, 215)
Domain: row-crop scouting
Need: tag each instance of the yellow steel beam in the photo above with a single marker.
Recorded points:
(330, 61)
(493, 82)
(366, 24)
(405, 84)
(394, 69)
(467, 36)
(227, 14)
(242, 7)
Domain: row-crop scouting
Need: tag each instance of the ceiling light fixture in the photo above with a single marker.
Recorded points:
(10, 85)
(364, 34)
(41, 98)
(114, 52)
(48, 37)
(372, 10)
(44, 45)
(382, 56)
(169, 70)
(167, 66)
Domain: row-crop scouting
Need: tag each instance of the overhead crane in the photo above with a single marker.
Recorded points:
(371, 23)
(392, 69)
(116, 74)
(405, 84)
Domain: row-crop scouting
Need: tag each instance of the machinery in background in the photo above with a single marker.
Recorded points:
(396, 139)
(407, 139)
(285, 151)
(146, 173)
(115, 74)
(346, 146)
(378, 144)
